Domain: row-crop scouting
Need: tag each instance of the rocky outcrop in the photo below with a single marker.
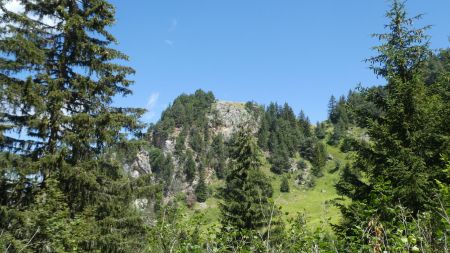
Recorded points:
(304, 178)
(140, 165)
(232, 116)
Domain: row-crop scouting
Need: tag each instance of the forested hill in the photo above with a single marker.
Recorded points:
(189, 147)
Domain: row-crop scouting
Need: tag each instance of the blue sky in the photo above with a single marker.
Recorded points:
(294, 51)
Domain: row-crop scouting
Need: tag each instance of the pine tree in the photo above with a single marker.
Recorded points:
(58, 81)
(246, 196)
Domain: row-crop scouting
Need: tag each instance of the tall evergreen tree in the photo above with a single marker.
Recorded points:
(58, 77)
(402, 161)
(219, 156)
(397, 155)
(320, 130)
(332, 109)
(201, 190)
(246, 196)
(189, 166)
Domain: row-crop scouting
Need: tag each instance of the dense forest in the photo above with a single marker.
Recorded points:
(79, 174)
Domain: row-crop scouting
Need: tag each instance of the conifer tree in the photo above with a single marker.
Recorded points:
(320, 130)
(320, 155)
(190, 166)
(201, 191)
(402, 161)
(59, 75)
(246, 196)
(397, 155)
(218, 150)
(284, 187)
(332, 109)
(280, 160)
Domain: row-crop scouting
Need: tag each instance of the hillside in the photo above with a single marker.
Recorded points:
(315, 202)
(203, 142)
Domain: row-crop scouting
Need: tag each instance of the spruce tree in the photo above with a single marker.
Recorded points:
(319, 158)
(201, 190)
(59, 75)
(320, 130)
(246, 196)
(190, 166)
(397, 155)
(219, 156)
(332, 109)
(280, 161)
(401, 163)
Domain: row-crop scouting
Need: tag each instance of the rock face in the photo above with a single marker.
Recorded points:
(140, 166)
(232, 116)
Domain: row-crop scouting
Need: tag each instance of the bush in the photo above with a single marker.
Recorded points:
(337, 166)
(348, 144)
(301, 165)
(317, 171)
(284, 187)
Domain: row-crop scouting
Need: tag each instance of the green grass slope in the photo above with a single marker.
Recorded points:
(314, 201)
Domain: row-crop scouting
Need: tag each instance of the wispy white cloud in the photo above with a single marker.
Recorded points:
(169, 42)
(172, 28)
(151, 106)
(173, 25)
(17, 7)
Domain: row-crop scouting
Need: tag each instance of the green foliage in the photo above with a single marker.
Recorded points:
(348, 144)
(320, 130)
(180, 143)
(218, 156)
(196, 142)
(280, 161)
(190, 166)
(332, 109)
(175, 233)
(301, 165)
(254, 109)
(63, 143)
(402, 160)
(284, 187)
(283, 135)
(201, 191)
(188, 112)
(246, 195)
(319, 156)
(57, 84)
(363, 104)
(162, 166)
